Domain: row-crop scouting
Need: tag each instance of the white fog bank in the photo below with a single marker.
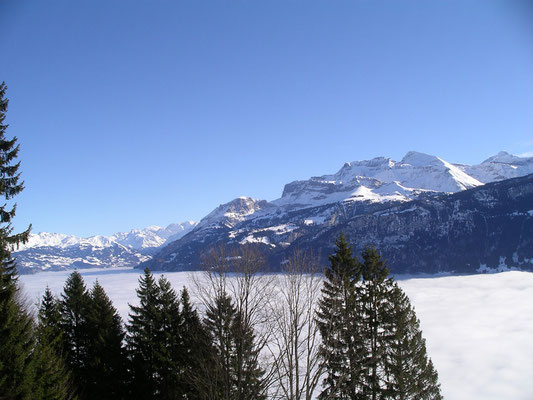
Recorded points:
(479, 328)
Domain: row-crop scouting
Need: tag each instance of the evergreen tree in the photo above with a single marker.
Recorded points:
(341, 347)
(168, 343)
(141, 340)
(196, 354)
(16, 326)
(218, 322)
(249, 382)
(106, 360)
(409, 373)
(74, 309)
(49, 319)
(373, 298)
(237, 369)
(52, 376)
(17, 343)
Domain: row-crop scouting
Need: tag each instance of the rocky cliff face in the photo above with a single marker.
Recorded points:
(424, 214)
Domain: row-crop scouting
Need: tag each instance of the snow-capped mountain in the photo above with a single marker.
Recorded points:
(379, 179)
(499, 167)
(307, 213)
(321, 203)
(59, 251)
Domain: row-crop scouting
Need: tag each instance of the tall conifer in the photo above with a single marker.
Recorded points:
(16, 326)
(143, 330)
(53, 379)
(409, 372)
(74, 309)
(340, 350)
(239, 375)
(106, 360)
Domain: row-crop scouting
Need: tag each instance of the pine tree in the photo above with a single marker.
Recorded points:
(237, 369)
(74, 303)
(141, 339)
(249, 382)
(409, 373)
(16, 326)
(196, 354)
(341, 348)
(218, 322)
(52, 376)
(373, 296)
(106, 360)
(168, 343)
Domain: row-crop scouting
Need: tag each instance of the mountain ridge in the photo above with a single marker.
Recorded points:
(316, 203)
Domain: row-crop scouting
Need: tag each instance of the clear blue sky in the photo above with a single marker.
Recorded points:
(132, 113)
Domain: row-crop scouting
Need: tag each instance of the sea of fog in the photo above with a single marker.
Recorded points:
(478, 328)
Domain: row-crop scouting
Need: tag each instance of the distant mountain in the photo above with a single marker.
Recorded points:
(56, 251)
(311, 213)
(404, 207)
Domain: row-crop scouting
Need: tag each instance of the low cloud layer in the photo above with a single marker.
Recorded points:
(478, 328)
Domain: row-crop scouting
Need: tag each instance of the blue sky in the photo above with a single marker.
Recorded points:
(133, 113)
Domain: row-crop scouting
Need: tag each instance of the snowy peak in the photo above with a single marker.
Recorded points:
(137, 239)
(231, 213)
(499, 167)
(379, 179)
(417, 159)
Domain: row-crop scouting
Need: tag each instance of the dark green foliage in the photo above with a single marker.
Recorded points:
(74, 311)
(16, 343)
(142, 331)
(105, 370)
(167, 368)
(52, 376)
(16, 327)
(340, 348)
(218, 322)
(372, 344)
(237, 370)
(373, 297)
(409, 374)
(196, 354)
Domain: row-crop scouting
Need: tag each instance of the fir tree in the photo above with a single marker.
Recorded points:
(249, 382)
(219, 322)
(74, 303)
(16, 326)
(409, 373)
(373, 297)
(141, 339)
(341, 348)
(49, 319)
(196, 354)
(168, 343)
(237, 369)
(106, 360)
(52, 376)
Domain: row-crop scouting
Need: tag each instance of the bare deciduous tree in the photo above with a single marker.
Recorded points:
(240, 273)
(295, 342)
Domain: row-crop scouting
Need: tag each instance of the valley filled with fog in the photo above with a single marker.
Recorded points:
(478, 327)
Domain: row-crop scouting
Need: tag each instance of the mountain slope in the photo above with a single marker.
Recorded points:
(309, 209)
(56, 251)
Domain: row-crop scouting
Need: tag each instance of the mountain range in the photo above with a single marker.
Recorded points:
(410, 209)
(57, 251)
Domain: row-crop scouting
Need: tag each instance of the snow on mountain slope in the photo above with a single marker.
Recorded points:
(499, 167)
(151, 237)
(380, 179)
(316, 202)
(58, 251)
(319, 203)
